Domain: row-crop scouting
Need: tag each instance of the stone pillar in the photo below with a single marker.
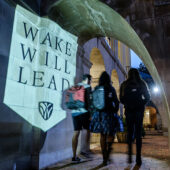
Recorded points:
(79, 64)
(38, 139)
(157, 99)
(169, 135)
(35, 149)
(159, 121)
(84, 66)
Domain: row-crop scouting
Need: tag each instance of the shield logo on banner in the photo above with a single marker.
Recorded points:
(45, 109)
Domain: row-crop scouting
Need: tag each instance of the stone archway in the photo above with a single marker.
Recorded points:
(99, 20)
(150, 117)
(116, 84)
(155, 115)
(93, 23)
(98, 66)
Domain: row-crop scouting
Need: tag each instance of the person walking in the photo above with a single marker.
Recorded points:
(106, 116)
(81, 117)
(134, 94)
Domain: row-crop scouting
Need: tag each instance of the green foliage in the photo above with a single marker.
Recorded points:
(142, 68)
(146, 76)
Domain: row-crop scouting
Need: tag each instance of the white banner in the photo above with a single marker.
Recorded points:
(42, 63)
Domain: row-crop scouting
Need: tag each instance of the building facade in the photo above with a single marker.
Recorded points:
(25, 145)
(94, 57)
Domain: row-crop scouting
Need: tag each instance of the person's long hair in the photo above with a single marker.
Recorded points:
(134, 75)
(104, 79)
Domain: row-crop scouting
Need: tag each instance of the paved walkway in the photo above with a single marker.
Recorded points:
(156, 156)
(118, 163)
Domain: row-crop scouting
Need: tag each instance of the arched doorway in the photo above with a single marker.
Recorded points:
(116, 84)
(150, 118)
(97, 66)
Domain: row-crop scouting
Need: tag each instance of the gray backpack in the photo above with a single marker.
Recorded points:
(99, 98)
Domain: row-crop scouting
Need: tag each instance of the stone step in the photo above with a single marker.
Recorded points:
(154, 132)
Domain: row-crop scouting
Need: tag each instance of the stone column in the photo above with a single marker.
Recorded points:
(169, 135)
(38, 139)
(83, 66)
(35, 148)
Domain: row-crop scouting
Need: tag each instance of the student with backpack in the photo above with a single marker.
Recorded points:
(78, 99)
(106, 102)
(134, 94)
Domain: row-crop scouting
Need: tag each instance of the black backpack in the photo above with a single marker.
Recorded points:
(134, 95)
(110, 100)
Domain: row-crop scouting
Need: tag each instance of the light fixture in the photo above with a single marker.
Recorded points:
(156, 89)
(147, 112)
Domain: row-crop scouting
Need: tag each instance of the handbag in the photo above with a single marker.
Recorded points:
(96, 123)
(119, 123)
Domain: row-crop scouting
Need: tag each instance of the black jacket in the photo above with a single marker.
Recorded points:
(111, 100)
(141, 85)
(88, 99)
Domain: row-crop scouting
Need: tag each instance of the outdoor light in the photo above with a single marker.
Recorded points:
(147, 112)
(155, 89)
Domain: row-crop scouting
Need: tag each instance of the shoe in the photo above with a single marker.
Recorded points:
(128, 167)
(85, 154)
(105, 163)
(130, 159)
(136, 167)
(139, 162)
(110, 161)
(76, 160)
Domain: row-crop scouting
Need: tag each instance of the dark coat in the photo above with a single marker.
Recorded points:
(88, 99)
(110, 97)
(139, 85)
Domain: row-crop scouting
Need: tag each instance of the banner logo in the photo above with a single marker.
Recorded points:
(45, 109)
